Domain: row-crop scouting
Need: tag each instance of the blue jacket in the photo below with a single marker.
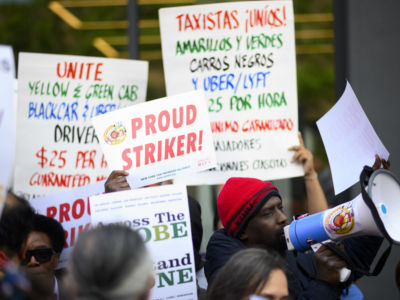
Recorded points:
(301, 266)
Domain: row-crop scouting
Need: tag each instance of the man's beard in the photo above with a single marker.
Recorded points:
(280, 242)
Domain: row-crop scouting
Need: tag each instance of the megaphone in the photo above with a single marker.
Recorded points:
(374, 212)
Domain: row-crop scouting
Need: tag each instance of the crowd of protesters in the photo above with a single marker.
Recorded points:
(246, 259)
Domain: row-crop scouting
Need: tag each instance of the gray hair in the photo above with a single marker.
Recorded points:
(110, 262)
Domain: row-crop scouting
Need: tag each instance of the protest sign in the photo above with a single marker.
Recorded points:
(57, 147)
(7, 119)
(158, 140)
(161, 216)
(242, 54)
(350, 140)
(70, 208)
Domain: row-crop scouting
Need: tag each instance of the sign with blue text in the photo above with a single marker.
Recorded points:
(242, 55)
(57, 147)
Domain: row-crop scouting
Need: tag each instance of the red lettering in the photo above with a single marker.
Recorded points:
(149, 153)
(72, 237)
(175, 123)
(180, 21)
(72, 70)
(89, 65)
(126, 159)
(98, 72)
(169, 151)
(191, 139)
(163, 127)
(66, 237)
(137, 150)
(64, 210)
(137, 123)
(58, 70)
(190, 119)
(150, 120)
(75, 213)
(180, 145)
(51, 211)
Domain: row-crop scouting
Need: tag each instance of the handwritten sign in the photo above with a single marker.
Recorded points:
(161, 215)
(242, 55)
(57, 147)
(350, 140)
(158, 140)
(7, 119)
(70, 208)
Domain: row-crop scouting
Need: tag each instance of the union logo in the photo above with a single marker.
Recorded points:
(115, 134)
(340, 220)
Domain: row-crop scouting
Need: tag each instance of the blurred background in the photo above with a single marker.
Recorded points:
(335, 40)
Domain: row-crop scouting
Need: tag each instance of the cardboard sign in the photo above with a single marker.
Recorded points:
(70, 208)
(350, 140)
(57, 147)
(7, 119)
(158, 140)
(242, 55)
(161, 216)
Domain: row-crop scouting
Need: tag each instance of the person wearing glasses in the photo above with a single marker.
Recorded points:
(43, 248)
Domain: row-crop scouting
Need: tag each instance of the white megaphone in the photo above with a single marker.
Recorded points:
(373, 212)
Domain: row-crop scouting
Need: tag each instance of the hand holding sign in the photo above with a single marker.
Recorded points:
(158, 140)
(304, 157)
(116, 182)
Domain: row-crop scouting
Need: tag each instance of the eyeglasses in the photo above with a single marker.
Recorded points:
(41, 255)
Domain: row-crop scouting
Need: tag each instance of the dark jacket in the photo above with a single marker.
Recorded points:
(301, 266)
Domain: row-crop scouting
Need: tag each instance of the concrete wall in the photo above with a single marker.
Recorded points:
(372, 65)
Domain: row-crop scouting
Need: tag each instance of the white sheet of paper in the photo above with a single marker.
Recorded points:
(7, 119)
(71, 209)
(161, 216)
(350, 140)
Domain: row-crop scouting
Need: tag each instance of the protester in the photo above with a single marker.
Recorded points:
(15, 225)
(251, 272)
(109, 262)
(43, 248)
(252, 214)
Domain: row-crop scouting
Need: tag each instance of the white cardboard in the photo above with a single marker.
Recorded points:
(154, 213)
(158, 140)
(200, 46)
(57, 148)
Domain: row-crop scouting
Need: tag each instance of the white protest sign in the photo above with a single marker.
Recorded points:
(158, 140)
(70, 208)
(350, 140)
(161, 216)
(57, 148)
(242, 54)
(7, 119)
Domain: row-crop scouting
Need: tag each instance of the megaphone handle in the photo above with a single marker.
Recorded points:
(344, 272)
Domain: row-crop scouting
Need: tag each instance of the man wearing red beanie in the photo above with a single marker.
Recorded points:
(252, 215)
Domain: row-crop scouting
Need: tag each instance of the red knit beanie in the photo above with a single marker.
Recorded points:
(240, 200)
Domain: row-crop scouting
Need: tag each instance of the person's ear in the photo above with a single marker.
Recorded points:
(244, 236)
(56, 260)
(22, 253)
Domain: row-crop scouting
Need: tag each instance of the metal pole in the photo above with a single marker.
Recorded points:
(133, 30)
